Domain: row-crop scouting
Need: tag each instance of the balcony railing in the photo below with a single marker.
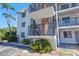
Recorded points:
(74, 21)
(37, 6)
(67, 5)
(37, 30)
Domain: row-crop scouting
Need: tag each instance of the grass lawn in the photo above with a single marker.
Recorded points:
(64, 53)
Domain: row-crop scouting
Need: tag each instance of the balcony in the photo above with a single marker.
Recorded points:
(67, 6)
(37, 30)
(43, 13)
(37, 6)
(73, 22)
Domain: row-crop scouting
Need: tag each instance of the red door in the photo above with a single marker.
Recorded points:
(45, 25)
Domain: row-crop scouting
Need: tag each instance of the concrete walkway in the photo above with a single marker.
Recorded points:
(6, 50)
(11, 51)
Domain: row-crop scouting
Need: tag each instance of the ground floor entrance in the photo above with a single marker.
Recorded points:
(69, 36)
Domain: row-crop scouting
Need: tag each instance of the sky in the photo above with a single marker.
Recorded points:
(18, 6)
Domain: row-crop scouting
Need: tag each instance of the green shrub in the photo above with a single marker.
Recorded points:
(4, 38)
(12, 38)
(8, 33)
(1, 40)
(26, 41)
(41, 46)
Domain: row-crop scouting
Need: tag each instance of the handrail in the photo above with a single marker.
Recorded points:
(70, 5)
(75, 21)
(39, 30)
(34, 7)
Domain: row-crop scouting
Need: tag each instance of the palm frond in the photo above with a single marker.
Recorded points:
(12, 8)
(5, 14)
(9, 16)
(7, 6)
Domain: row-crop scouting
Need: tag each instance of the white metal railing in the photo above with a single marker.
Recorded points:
(38, 30)
(37, 6)
(72, 22)
(70, 5)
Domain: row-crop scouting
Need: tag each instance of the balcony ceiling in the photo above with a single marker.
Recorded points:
(69, 10)
(43, 13)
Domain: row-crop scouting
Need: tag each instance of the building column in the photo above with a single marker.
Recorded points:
(57, 29)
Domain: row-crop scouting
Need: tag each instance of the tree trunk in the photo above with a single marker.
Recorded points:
(9, 28)
(8, 22)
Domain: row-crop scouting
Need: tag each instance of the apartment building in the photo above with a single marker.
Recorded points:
(68, 23)
(23, 23)
(59, 22)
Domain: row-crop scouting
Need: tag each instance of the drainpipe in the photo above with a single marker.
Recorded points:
(57, 29)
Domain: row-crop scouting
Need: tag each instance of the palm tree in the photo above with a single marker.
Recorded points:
(8, 16)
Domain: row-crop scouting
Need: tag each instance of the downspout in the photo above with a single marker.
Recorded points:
(57, 29)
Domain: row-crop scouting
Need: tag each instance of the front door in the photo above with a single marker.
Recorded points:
(45, 25)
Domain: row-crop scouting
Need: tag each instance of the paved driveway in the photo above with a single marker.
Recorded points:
(20, 50)
(12, 51)
(9, 49)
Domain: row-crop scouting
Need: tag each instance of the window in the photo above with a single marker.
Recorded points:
(23, 24)
(64, 6)
(73, 4)
(23, 34)
(23, 14)
(67, 34)
(66, 20)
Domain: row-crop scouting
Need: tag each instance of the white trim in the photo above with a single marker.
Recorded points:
(57, 33)
(50, 37)
(70, 27)
(68, 9)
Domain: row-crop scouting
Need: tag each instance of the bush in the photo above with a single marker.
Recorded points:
(12, 38)
(26, 41)
(2, 36)
(6, 36)
(1, 40)
(41, 46)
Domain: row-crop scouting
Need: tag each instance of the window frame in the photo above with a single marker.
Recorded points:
(74, 4)
(23, 24)
(23, 34)
(67, 34)
(23, 14)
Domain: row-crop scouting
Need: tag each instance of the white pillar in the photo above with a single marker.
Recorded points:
(57, 29)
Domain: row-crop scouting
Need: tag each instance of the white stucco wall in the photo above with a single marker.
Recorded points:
(19, 25)
(67, 40)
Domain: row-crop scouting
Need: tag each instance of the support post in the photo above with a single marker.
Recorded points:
(57, 29)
